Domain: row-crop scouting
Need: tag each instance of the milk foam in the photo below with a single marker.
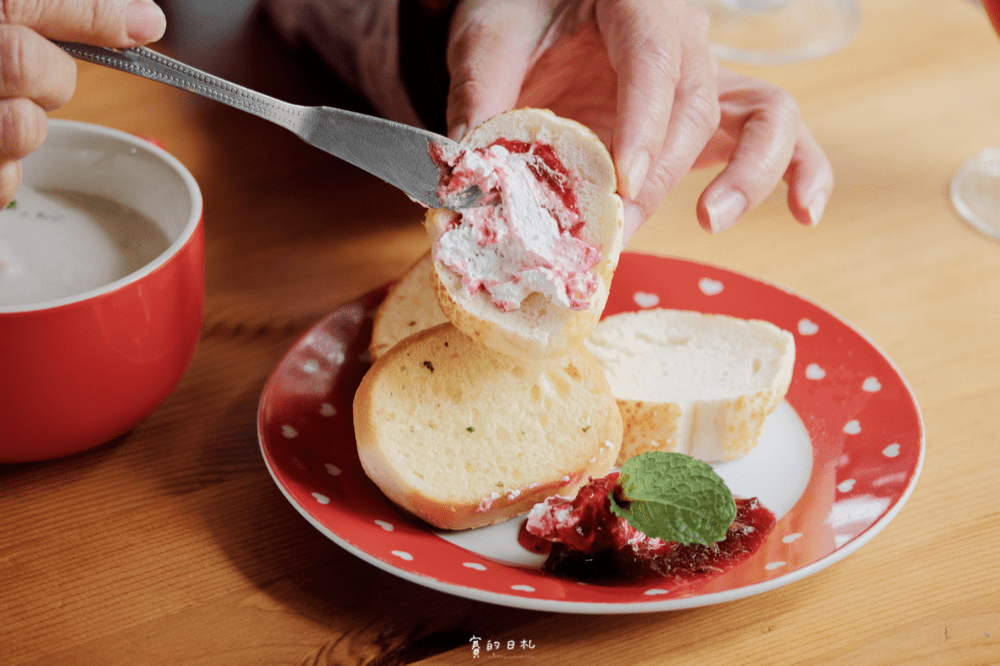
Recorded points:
(55, 244)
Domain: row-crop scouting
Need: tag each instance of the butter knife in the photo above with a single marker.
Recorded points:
(396, 153)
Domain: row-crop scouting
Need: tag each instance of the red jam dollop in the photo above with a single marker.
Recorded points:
(585, 541)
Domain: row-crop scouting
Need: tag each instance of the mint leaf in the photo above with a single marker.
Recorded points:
(674, 497)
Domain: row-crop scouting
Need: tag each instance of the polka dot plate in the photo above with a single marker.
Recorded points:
(837, 460)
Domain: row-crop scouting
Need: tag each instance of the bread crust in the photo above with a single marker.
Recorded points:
(462, 436)
(539, 327)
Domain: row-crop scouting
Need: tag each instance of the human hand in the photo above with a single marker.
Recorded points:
(761, 139)
(37, 76)
(643, 79)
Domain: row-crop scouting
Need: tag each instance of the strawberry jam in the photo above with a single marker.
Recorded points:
(549, 169)
(585, 541)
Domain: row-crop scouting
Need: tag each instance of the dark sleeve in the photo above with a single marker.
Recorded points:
(423, 43)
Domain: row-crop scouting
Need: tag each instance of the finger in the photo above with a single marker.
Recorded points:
(765, 123)
(635, 217)
(22, 128)
(489, 53)
(657, 184)
(810, 180)
(659, 181)
(10, 180)
(114, 23)
(667, 100)
(33, 67)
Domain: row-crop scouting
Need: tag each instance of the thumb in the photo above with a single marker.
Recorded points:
(112, 23)
(489, 54)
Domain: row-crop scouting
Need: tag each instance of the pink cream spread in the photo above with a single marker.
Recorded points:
(585, 541)
(526, 237)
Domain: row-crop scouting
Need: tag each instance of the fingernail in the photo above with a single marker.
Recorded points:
(636, 175)
(725, 209)
(817, 204)
(458, 132)
(144, 21)
(634, 217)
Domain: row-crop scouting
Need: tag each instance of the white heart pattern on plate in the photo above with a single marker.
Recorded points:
(891, 451)
(807, 327)
(332, 469)
(872, 385)
(388, 527)
(845, 486)
(326, 409)
(321, 498)
(710, 287)
(813, 371)
(852, 427)
(646, 300)
(288, 432)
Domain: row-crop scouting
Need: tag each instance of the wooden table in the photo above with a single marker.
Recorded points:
(171, 545)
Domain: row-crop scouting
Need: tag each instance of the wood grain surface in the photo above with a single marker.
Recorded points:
(171, 544)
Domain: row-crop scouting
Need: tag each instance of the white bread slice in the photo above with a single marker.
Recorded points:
(540, 327)
(694, 383)
(462, 436)
(408, 308)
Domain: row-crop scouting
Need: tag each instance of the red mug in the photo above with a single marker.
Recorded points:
(79, 370)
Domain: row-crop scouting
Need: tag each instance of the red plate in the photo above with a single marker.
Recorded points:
(848, 441)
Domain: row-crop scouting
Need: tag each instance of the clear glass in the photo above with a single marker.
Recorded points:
(780, 31)
(975, 187)
(975, 191)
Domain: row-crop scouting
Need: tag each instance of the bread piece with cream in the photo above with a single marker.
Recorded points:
(408, 308)
(694, 383)
(515, 275)
(462, 436)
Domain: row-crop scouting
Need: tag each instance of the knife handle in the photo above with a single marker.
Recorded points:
(152, 65)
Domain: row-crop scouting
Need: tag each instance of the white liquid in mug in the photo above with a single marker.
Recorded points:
(55, 244)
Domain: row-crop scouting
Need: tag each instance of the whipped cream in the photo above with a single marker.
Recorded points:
(525, 238)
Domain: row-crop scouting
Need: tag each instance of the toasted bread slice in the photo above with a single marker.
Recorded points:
(541, 326)
(408, 308)
(462, 436)
(694, 383)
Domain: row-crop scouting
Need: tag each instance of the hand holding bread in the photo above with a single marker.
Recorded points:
(641, 74)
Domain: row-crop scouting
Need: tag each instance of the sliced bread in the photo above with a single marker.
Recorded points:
(462, 436)
(693, 383)
(540, 325)
(408, 308)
